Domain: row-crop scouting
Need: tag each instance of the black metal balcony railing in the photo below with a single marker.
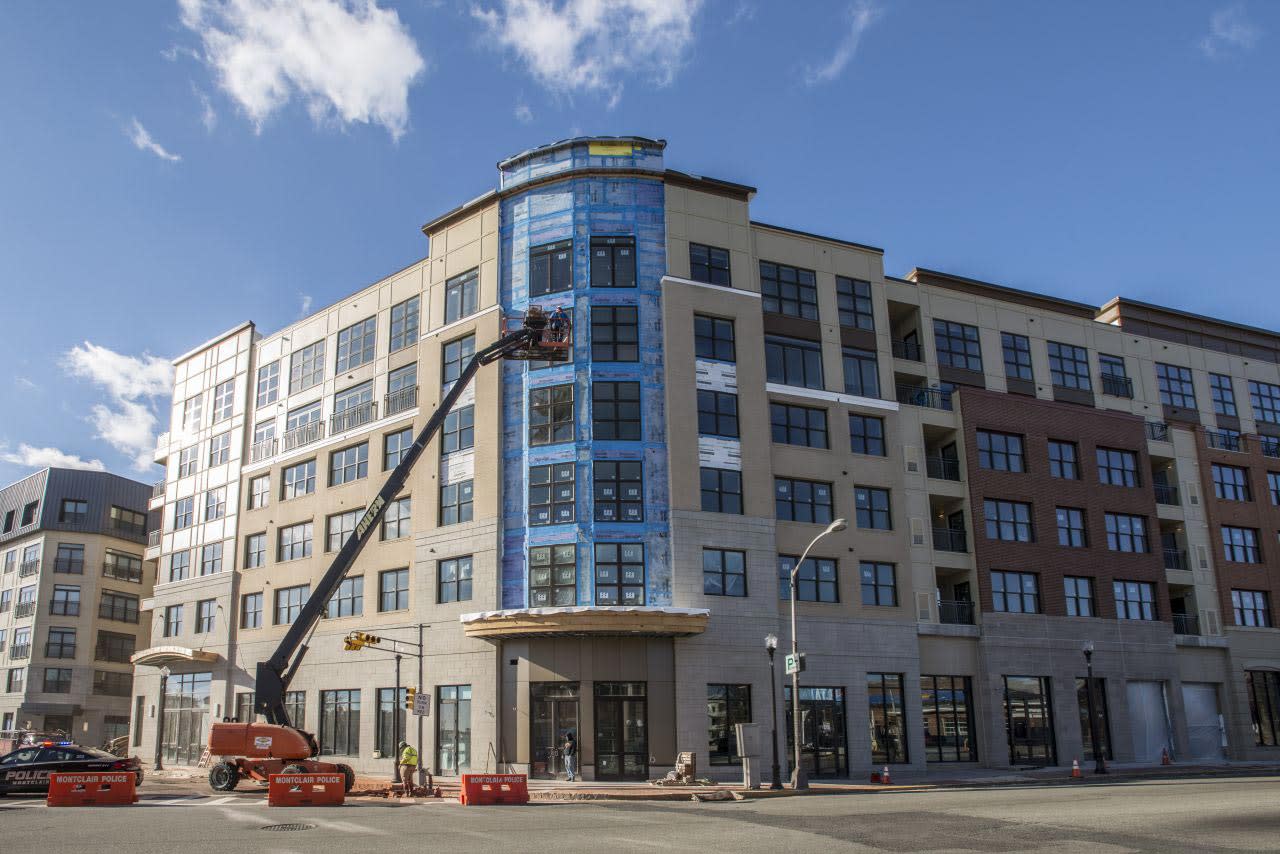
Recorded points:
(909, 350)
(70, 565)
(1175, 559)
(264, 450)
(948, 540)
(942, 468)
(304, 435)
(1186, 624)
(121, 572)
(59, 650)
(352, 417)
(1157, 431)
(22, 650)
(930, 398)
(401, 399)
(1223, 441)
(28, 567)
(1166, 494)
(1269, 446)
(157, 489)
(132, 529)
(1117, 386)
(153, 539)
(955, 613)
(23, 609)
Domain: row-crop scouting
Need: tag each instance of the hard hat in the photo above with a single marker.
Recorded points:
(403, 744)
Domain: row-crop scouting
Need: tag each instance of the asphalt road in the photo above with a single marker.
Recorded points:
(1221, 814)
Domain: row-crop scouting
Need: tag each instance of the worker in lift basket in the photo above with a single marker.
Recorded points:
(557, 323)
(408, 766)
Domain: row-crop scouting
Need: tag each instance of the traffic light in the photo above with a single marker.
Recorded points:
(409, 695)
(350, 644)
(359, 640)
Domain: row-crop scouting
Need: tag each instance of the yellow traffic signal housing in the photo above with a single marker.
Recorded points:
(367, 639)
(409, 695)
(351, 644)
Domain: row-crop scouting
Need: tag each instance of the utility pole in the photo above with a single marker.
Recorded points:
(421, 753)
(164, 689)
(1099, 767)
(395, 723)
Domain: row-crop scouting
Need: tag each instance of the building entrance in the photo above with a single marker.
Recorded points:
(555, 715)
(622, 734)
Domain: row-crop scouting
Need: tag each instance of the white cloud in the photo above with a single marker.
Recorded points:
(25, 384)
(347, 59)
(132, 383)
(1230, 31)
(862, 15)
(743, 13)
(38, 458)
(304, 305)
(589, 46)
(142, 141)
(208, 116)
(524, 115)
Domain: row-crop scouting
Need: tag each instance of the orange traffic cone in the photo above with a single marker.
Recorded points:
(1164, 756)
(1075, 769)
(884, 776)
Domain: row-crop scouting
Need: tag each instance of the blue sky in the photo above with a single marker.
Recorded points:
(173, 168)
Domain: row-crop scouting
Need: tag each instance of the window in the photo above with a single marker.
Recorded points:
(615, 411)
(871, 508)
(461, 296)
(453, 728)
(255, 551)
(1231, 483)
(173, 621)
(1069, 366)
(354, 405)
(1071, 532)
(17, 682)
(948, 719)
(219, 449)
(211, 559)
(620, 574)
(259, 487)
(1126, 533)
(57, 680)
(206, 609)
(1223, 394)
(347, 600)
(1175, 385)
(1240, 544)
(306, 367)
(791, 361)
(1135, 600)
(789, 290)
(1079, 596)
(120, 607)
(551, 414)
(1000, 451)
(289, 602)
(613, 262)
(455, 355)
(724, 572)
(727, 706)
(459, 431)
(295, 541)
(1017, 356)
(866, 435)
(356, 344)
(268, 389)
(404, 324)
(551, 268)
(66, 601)
(129, 521)
(191, 412)
(551, 494)
(301, 417)
(816, 580)
(615, 333)
(1265, 398)
(1064, 460)
(73, 511)
(396, 522)
(298, 480)
(861, 372)
(262, 433)
(793, 425)
(340, 723)
(223, 398)
(1117, 468)
(62, 643)
(1115, 380)
(1264, 705)
(6, 600)
(553, 576)
(721, 490)
(957, 345)
(401, 383)
(802, 500)
(1008, 520)
(215, 504)
(619, 490)
(184, 512)
(709, 264)
(339, 527)
(69, 559)
(115, 647)
(187, 461)
(395, 446)
(853, 301)
(251, 612)
(456, 502)
(713, 338)
(879, 584)
(888, 724)
(1273, 486)
(1249, 606)
(349, 464)
(717, 414)
(455, 580)
(1015, 592)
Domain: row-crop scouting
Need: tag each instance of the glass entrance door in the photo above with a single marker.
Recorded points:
(823, 747)
(186, 717)
(622, 734)
(1028, 710)
(555, 715)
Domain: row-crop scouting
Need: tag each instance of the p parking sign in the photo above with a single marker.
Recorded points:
(794, 663)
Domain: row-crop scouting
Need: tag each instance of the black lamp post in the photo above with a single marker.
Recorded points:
(771, 644)
(1099, 767)
(164, 689)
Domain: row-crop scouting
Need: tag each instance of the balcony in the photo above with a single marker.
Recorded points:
(1222, 441)
(942, 468)
(129, 529)
(121, 573)
(955, 613)
(1166, 494)
(161, 453)
(947, 540)
(909, 350)
(28, 567)
(400, 400)
(1175, 559)
(1117, 386)
(157, 489)
(349, 419)
(264, 450)
(70, 565)
(18, 651)
(23, 609)
(153, 540)
(1157, 431)
(1186, 624)
(304, 435)
(930, 398)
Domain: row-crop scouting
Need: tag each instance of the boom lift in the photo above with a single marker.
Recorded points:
(257, 750)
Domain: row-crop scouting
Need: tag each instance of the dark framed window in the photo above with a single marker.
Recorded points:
(1264, 705)
(62, 643)
(73, 510)
(188, 461)
(1064, 460)
(205, 611)
(613, 262)
(619, 490)
(1000, 451)
(348, 599)
(817, 580)
(456, 502)
(721, 490)
(211, 559)
(393, 590)
(724, 572)
(295, 541)
(396, 522)
(454, 357)
(615, 411)
(551, 414)
(69, 559)
(789, 290)
(802, 500)
(620, 574)
(349, 464)
(1008, 520)
(553, 576)
(259, 491)
(1117, 468)
(1223, 393)
(551, 268)
(1135, 600)
(552, 494)
(115, 647)
(453, 728)
(454, 580)
(1273, 486)
(172, 621)
(1017, 355)
(1069, 366)
(615, 333)
(1176, 387)
(339, 527)
(340, 723)
(717, 413)
(66, 600)
(1265, 398)
(853, 301)
(792, 361)
(121, 607)
(395, 446)
(861, 372)
(879, 583)
(727, 706)
(355, 344)
(871, 506)
(798, 425)
(404, 324)
(1079, 592)
(888, 719)
(1126, 533)
(392, 718)
(183, 513)
(255, 551)
(713, 338)
(179, 565)
(298, 480)
(1115, 380)
(251, 611)
(57, 680)
(1240, 544)
(289, 602)
(1251, 608)
(1015, 592)
(709, 264)
(462, 296)
(459, 432)
(1231, 483)
(947, 705)
(866, 435)
(1071, 529)
(957, 345)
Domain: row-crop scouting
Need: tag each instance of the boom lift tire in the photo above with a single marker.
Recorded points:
(224, 776)
(348, 776)
(294, 769)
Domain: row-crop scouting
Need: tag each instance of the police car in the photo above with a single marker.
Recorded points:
(27, 769)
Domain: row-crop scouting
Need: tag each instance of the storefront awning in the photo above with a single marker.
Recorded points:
(158, 655)
(585, 621)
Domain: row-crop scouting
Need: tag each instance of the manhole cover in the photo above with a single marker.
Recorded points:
(287, 827)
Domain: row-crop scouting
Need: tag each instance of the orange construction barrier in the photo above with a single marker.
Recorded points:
(92, 789)
(306, 790)
(494, 789)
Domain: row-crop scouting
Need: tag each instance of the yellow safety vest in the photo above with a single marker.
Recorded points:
(409, 756)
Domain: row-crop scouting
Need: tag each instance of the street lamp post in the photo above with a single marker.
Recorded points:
(395, 726)
(800, 780)
(1099, 767)
(771, 644)
(164, 689)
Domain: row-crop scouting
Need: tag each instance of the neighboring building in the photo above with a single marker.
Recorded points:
(603, 545)
(72, 575)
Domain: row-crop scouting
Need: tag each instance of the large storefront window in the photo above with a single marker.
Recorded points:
(622, 731)
(1028, 712)
(453, 729)
(340, 723)
(824, 749)
(389, 704)
(888, 720)
(1264, 705)
(727, 705)
(1094, 703)
(947, 705)
(186, 717)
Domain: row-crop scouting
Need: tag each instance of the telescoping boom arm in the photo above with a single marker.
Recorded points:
(533, 340)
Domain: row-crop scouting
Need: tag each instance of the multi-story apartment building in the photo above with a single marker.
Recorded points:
(602, 546)
(72, 575)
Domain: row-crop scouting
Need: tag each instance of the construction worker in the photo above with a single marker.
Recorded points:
(408, 766)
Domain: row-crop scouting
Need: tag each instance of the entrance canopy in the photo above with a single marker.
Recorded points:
(157, 655)
(586, 621)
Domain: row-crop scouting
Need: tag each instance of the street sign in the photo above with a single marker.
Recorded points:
(795, 663)
(422, 704)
